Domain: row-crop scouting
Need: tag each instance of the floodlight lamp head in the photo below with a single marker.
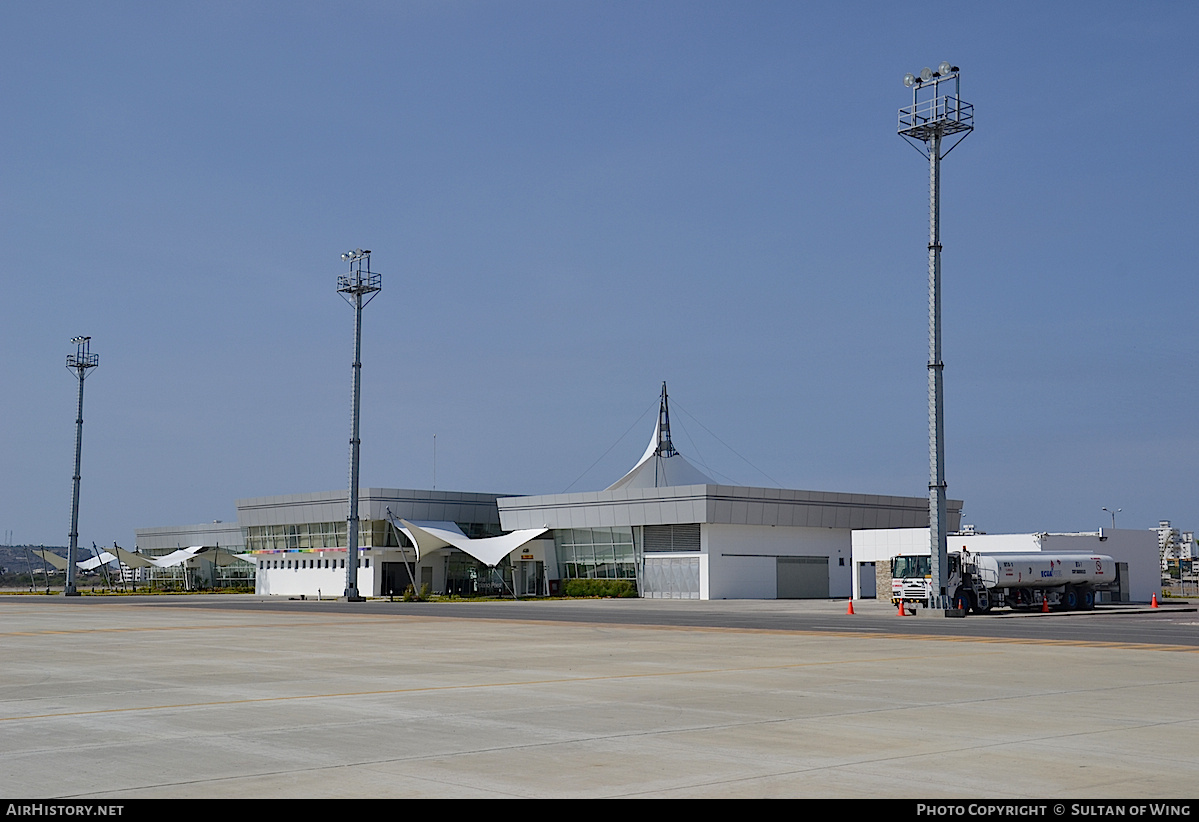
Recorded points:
(945, 68)
(78, 340)
(926, 74)
(909, 79)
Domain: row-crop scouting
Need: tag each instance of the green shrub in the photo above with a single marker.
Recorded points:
(599, 588)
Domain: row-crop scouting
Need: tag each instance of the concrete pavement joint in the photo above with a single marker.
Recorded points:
(439, 688)
(666, 732)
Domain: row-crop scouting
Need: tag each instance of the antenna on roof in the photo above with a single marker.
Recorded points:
(665, 446)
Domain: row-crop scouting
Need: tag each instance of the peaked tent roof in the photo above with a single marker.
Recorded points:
(661, 466)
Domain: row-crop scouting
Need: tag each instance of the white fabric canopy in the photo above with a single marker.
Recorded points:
(226, 558)
(54, 560)
(96, 562)
(177, 557)
(222, 557)
(429, 536)
(131, 560)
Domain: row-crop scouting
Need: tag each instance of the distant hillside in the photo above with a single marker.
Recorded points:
(13, 557)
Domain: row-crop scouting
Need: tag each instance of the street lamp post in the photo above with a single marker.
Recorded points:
(937, 112)
(1113, 513)
(79, 362)
(358, 287)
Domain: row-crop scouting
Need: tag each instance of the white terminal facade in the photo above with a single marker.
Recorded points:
(665, 527)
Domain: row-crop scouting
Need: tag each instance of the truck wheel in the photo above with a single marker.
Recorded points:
(1070, 598)
(963, 596)
(1086, 599)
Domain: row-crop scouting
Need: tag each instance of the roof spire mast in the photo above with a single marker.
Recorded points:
(661, 465)
(665, 446)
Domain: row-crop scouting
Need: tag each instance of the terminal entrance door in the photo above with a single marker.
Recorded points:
(532, 578)
(396, 578)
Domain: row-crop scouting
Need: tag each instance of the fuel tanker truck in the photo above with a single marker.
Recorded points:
(980, 582)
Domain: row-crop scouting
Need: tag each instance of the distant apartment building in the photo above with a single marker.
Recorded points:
(1173, 544)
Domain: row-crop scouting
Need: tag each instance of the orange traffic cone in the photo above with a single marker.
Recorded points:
(1045, 605)
(850, 611)
(1154, 603)
(900, 612)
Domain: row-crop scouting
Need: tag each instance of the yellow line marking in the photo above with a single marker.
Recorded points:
(332, 620)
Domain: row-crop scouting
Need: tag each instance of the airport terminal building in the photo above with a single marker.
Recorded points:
(664, 526)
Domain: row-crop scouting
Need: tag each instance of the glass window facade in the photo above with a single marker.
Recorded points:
(598, 553)
(371, 534)
(465, 576)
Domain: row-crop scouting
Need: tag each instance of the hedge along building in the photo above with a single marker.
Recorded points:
(678, 534)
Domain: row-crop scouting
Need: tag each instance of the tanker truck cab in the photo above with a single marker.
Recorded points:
(912, 581)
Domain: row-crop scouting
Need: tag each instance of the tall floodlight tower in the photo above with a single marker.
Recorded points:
(937, 112)
(79, 362)
(358, 287)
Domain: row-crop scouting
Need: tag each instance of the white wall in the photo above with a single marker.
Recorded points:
(294, 582)
(742, 559)
(1136, 547)
(881, 544)
(313, 582)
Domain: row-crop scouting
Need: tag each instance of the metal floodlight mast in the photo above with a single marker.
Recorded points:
(358, 287)
(937, 112)
(79, 362)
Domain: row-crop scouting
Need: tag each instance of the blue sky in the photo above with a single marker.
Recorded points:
(569, 203)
